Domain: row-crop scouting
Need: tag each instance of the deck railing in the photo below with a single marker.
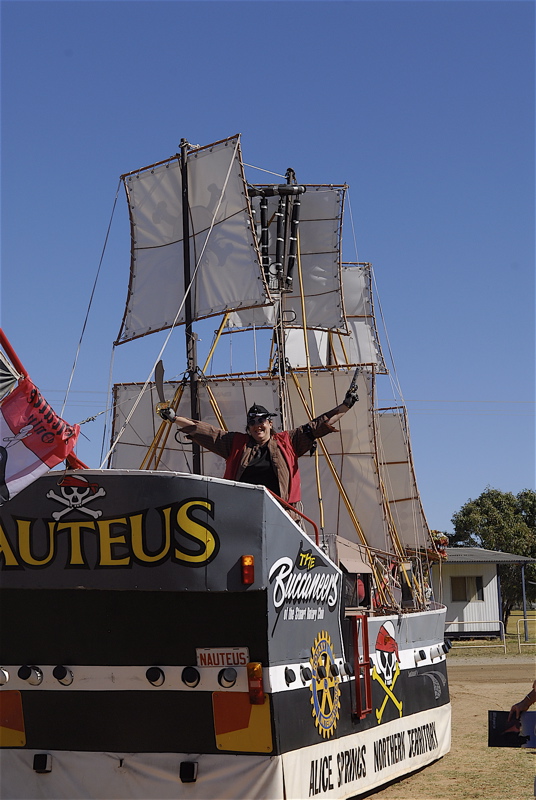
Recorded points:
(498, 622)
(526, 643)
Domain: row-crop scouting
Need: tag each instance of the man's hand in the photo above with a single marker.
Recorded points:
(351, 397)
(516, 711)
(167, 414)
(524, 704)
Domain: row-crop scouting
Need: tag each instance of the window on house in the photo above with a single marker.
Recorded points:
(466, 588)
(458, 589)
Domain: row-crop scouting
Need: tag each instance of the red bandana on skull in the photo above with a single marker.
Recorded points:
(385, 641)
(82, 483)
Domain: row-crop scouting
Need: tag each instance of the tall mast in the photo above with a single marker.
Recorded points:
(191, 343)
(279, 273)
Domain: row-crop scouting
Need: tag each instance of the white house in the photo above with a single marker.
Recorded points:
(468, 584)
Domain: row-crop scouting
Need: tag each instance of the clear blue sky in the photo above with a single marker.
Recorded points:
(425, 108)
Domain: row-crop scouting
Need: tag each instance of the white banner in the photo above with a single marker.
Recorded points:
(342, 768)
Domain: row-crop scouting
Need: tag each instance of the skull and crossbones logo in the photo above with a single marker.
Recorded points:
(76, 492)
(387, 666)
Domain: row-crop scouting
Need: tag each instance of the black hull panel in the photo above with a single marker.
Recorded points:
(130, 638)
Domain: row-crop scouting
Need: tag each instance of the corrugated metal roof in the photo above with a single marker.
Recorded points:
(478, 555)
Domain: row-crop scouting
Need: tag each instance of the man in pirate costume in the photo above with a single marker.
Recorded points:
(263, 456)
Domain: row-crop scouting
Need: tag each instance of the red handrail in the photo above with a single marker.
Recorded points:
(291, 507)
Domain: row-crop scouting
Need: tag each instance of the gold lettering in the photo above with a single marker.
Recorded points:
(107, 541)
(6, 551)
(24, 531)
(204, 536)
(137, 538)
(75, 530)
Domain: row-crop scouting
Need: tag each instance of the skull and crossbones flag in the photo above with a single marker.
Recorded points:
(33, 439)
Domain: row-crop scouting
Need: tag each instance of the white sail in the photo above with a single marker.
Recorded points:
(318, 348)
(363, 344)
(224, 253)
(320, 252)
(398, 476)
(360, 346)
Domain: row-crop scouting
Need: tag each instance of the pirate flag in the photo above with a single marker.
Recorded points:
(33, 439)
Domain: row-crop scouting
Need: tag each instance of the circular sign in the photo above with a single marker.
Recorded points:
(325, 692)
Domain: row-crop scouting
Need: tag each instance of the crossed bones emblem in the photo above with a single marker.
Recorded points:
(388, 692)
(387, 667)
(76, 492)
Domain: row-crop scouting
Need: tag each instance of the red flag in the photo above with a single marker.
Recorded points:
(33, 439)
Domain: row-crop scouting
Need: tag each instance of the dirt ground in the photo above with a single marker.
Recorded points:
(472, 770)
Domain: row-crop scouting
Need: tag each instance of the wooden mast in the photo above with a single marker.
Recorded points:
(191, 343)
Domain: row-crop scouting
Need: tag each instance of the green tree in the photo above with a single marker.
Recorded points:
(507, 522)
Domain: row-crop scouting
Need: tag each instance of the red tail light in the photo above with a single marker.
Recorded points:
(256, 691)
(248, 570)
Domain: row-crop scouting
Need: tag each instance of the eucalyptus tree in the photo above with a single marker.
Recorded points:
(502, 521)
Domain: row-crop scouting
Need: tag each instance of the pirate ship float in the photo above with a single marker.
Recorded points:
(170, 634)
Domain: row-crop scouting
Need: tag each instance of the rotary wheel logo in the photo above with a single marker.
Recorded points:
(325, 692)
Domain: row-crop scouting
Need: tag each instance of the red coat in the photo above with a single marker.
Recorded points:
(238, 446)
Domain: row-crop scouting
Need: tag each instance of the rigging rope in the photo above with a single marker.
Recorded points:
(352, 224)
(90, 302)
(394, 380)
(251, 166)
(109, 394)
(310, 387)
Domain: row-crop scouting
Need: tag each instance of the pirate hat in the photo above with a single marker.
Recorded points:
(258, 413)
